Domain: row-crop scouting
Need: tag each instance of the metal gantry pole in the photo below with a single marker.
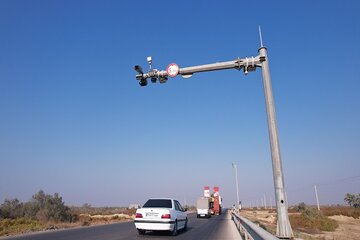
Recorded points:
(237, 186)
(283, 230)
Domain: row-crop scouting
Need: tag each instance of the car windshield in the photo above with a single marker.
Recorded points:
(158, 203)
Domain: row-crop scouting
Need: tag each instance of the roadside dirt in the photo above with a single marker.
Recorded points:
(349, 227)
(87, 220)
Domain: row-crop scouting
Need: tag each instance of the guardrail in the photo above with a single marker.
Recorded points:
(250, 230)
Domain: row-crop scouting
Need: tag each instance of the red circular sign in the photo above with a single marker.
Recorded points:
(172, 70)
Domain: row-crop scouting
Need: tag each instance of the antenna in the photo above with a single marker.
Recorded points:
(261, 41)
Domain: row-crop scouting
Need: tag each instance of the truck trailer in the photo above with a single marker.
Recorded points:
(203, 208)
(209, 204)
(217, 201)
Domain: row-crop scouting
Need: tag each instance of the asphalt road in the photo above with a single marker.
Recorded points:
(217, 227)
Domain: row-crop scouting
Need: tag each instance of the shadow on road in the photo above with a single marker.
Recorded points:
(163, 233)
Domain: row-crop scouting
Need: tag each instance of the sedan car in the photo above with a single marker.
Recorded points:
(161, 214)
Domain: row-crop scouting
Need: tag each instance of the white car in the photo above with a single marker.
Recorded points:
(161, 214)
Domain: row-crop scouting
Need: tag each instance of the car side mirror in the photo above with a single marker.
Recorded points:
(185, 209)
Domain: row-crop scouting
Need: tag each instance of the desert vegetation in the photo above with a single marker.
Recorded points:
(353, 200)
(44, 211)
(330, 222)
(311, 220)
(42, 207)
(37, 214)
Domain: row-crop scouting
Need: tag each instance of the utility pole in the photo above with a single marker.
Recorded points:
(237, 186)
(265, 201)
(283, 230)
(317, 198)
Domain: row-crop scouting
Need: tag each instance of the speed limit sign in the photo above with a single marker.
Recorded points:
(172, 70)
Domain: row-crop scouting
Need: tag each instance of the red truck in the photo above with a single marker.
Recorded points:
(214, 200)
(217, 201)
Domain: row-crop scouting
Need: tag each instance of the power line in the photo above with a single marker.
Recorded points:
(338, 181)
(310, 186)
(327, 183)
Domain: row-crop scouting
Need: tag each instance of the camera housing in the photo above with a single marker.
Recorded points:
(163, 79)
(139, 69)
(143, 82)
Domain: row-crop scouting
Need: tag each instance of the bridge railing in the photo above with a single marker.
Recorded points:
(250, 230)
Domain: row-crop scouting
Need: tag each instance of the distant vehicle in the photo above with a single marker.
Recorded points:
(161, 214)
(134, 206)
(203, 208)
(215, 202)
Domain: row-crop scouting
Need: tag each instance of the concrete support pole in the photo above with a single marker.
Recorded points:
(237, 186)
(265, 201)
(317, 198)
(283, 230)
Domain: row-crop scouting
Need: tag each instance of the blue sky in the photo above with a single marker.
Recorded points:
(75, 121)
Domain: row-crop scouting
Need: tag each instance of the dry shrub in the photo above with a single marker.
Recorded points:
(341, 210)
(129, 212)
(312, 221)
(19, 225)
(85, 220)
(88, 209)
(100, 219)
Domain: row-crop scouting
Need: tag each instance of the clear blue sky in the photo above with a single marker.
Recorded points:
(75, 121)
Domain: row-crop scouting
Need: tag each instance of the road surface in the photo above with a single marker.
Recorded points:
(216, 228)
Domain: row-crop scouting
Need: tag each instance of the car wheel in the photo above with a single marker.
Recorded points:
(175, 229)
(185, 226)
(141, 232)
